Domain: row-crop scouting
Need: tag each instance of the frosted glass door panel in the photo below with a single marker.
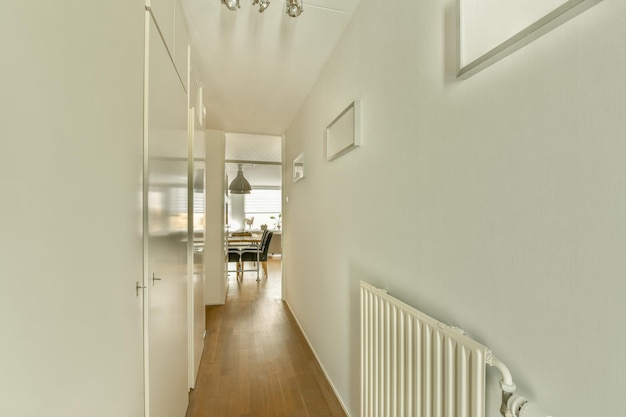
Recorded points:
(167, 230)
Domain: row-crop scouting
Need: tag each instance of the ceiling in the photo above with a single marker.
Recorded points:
(256, 69)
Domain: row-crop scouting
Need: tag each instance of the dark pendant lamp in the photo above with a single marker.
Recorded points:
(240, 184)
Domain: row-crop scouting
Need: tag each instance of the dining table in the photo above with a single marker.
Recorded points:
(244, 240)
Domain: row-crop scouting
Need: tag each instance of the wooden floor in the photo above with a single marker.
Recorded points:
(256, 362)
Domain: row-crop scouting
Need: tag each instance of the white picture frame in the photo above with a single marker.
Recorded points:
(344, 133)
(489, 30)
(298, 168)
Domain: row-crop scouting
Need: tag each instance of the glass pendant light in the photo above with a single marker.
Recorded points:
(294, 8)
(231, 4)
(263, 4)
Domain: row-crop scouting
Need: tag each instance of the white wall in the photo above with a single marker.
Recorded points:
(214, 266)
(70, 219)
(496, 203)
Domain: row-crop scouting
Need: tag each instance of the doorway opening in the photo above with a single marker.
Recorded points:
(257, 209)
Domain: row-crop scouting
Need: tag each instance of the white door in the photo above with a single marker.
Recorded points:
(70, 214)
(166, 248)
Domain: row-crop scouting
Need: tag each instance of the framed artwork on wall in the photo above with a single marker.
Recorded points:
(344, 133)
(489, 30)
(298, 168)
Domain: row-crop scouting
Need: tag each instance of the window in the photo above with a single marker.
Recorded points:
(262, 205)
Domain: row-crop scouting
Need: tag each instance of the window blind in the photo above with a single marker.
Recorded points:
(263, 201)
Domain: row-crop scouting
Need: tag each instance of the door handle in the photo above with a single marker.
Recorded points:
(155, 278)
(138, 287)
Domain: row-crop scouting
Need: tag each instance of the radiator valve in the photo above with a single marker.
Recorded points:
(519, 406)
(512, 405)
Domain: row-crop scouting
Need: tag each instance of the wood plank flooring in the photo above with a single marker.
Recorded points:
(256, 362)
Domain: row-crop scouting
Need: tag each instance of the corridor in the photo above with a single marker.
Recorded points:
(256, 362)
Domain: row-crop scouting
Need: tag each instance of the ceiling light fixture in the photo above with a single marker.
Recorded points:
(231, 4)
(263, 4)
(234, 4)
(240, 184)
(294, 8)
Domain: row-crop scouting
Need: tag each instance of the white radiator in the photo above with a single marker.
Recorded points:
(414, 366)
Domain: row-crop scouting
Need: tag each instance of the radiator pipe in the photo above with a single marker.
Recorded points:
(513, 405)
(506, 384)
(504, 405)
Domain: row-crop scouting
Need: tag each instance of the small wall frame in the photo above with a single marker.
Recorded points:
(298, 168)
(344, 133)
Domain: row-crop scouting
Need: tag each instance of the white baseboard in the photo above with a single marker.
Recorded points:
(345, 409)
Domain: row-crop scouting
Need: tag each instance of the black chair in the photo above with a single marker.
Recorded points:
(258, 255)
(234, 256)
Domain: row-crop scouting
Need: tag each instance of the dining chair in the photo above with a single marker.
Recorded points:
(258, 255)
(234, 256)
